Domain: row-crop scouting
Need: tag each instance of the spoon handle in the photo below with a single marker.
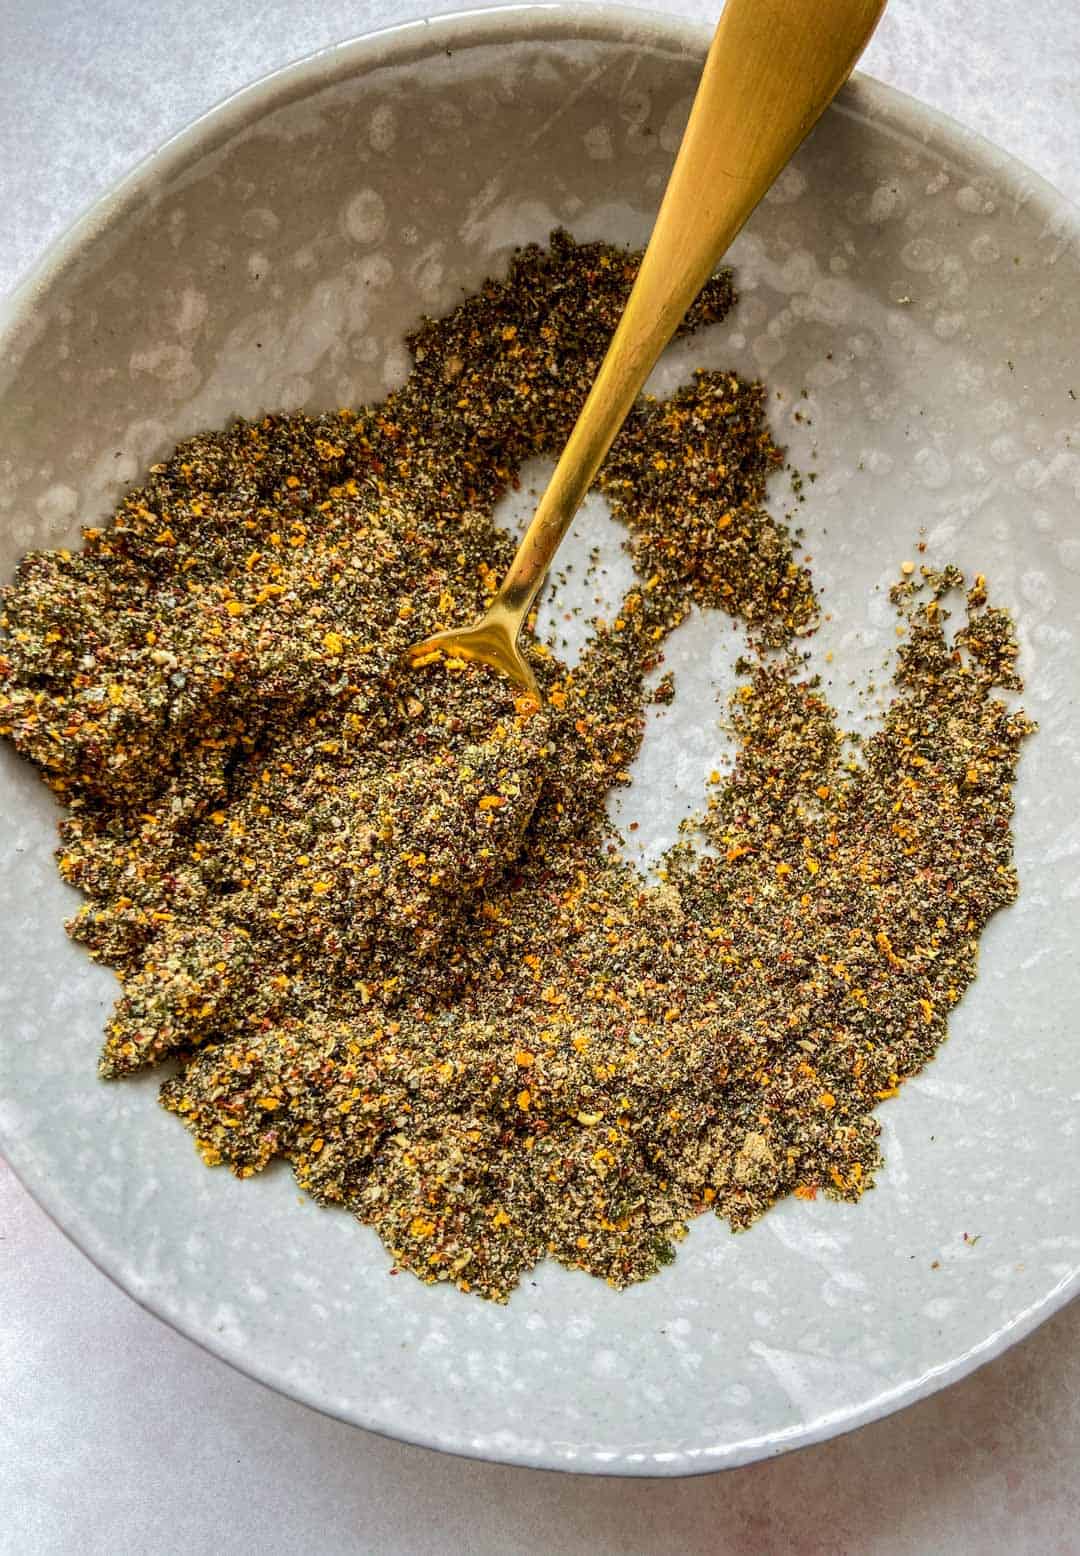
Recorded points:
(772, 69)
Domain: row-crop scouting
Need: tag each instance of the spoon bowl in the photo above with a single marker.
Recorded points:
(493, 640)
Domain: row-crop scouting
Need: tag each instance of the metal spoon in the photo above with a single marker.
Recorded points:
(772, 69)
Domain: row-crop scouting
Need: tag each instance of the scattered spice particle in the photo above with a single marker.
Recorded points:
(377, 915)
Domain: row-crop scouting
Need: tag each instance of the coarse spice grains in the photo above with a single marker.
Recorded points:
(378, 916)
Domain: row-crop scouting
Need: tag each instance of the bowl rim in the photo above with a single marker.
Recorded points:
(900, 115)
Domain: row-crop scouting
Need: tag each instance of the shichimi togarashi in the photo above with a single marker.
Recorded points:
(380, 918)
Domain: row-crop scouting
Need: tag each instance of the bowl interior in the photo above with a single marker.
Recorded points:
(911, 299)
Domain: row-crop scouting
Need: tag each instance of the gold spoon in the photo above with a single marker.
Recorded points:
(772, 70)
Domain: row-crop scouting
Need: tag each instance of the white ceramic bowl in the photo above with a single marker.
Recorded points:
(274, 254)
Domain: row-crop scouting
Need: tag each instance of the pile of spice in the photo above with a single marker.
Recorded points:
(379, 917)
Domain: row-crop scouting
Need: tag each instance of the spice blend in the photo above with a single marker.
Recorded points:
(378, 915)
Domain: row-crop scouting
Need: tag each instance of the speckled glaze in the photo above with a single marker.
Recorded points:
(925, 292)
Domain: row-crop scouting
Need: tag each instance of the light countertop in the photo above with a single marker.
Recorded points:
(117, 1435)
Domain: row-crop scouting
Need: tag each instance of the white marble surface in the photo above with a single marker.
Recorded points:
(115, 1434)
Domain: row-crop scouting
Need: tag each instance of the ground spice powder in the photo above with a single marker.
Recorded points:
(378, 916)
